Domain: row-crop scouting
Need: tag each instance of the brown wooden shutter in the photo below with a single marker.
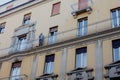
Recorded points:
(82, 4)
(56, 8)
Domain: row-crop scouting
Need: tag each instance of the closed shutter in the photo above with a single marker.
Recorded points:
(56, 8)
(82, 4)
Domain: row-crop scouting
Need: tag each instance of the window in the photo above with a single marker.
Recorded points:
(49, 64)
(53, 34)
(81, 57)
(82, 4)
(82, 26)
(56, 8)
(115, 18)
(116, 49)
(22, 42)
(26, 19)
(2, 27)
(15, 71)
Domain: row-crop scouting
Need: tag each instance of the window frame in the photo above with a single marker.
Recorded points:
(117, 17)
(113, 54)
(53, 38)
(52, 11)
(24, 20)
(19, 44)
(44, 71)
(85, 27)
(76, 57)
(18, 62)
(2, 27)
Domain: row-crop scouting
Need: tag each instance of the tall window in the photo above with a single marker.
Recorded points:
(15, 71)
(115, 18)
(53, 34)
(56, 8)
(81, 57)
(82, 26)
(2, 27)
(49, 64)
(22, 42)
(82, 4)
(116, 49)
(26, 19)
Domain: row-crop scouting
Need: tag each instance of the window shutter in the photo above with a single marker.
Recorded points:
(82, 4)
(56, 8)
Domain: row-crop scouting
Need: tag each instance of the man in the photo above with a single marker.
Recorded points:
(41, 39)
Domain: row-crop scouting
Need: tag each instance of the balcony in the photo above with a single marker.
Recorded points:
(113, 70)
(99, 29)
(81, 6)
(22, 37)
(18, 77)
(81, 74)
(48, 77)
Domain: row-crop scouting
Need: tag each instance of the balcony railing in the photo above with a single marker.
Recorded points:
(94, 28)
(81, 6)
(81, 74)
(48, 77)
(18, 77)
(113, 70)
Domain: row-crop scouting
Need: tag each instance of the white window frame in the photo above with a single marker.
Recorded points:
(117, 18)
(22, 43)
(15, 72)
(82, 29)
(81, 60)
(116, 54)
(49, 66)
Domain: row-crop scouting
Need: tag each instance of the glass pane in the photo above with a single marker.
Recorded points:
(85, 26)
(114, 19)
(46, 67)
(119, 16)
(78, 60)
(85, 59)
(80, 24)
(116, 54)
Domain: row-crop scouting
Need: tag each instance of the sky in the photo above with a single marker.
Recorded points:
(4, 1)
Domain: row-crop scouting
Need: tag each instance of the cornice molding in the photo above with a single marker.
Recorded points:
(88, 39)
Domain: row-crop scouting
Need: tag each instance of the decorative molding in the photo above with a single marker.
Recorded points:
(88, 39)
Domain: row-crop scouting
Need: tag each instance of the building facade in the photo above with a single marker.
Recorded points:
(60, 40)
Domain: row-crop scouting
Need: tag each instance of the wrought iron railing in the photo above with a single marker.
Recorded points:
(17, 77)
(64, 36)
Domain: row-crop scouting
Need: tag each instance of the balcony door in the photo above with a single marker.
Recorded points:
(82, 27)
(22, 43)
(82, 4)
(115, 18)
(53, 35)
(15, 71)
